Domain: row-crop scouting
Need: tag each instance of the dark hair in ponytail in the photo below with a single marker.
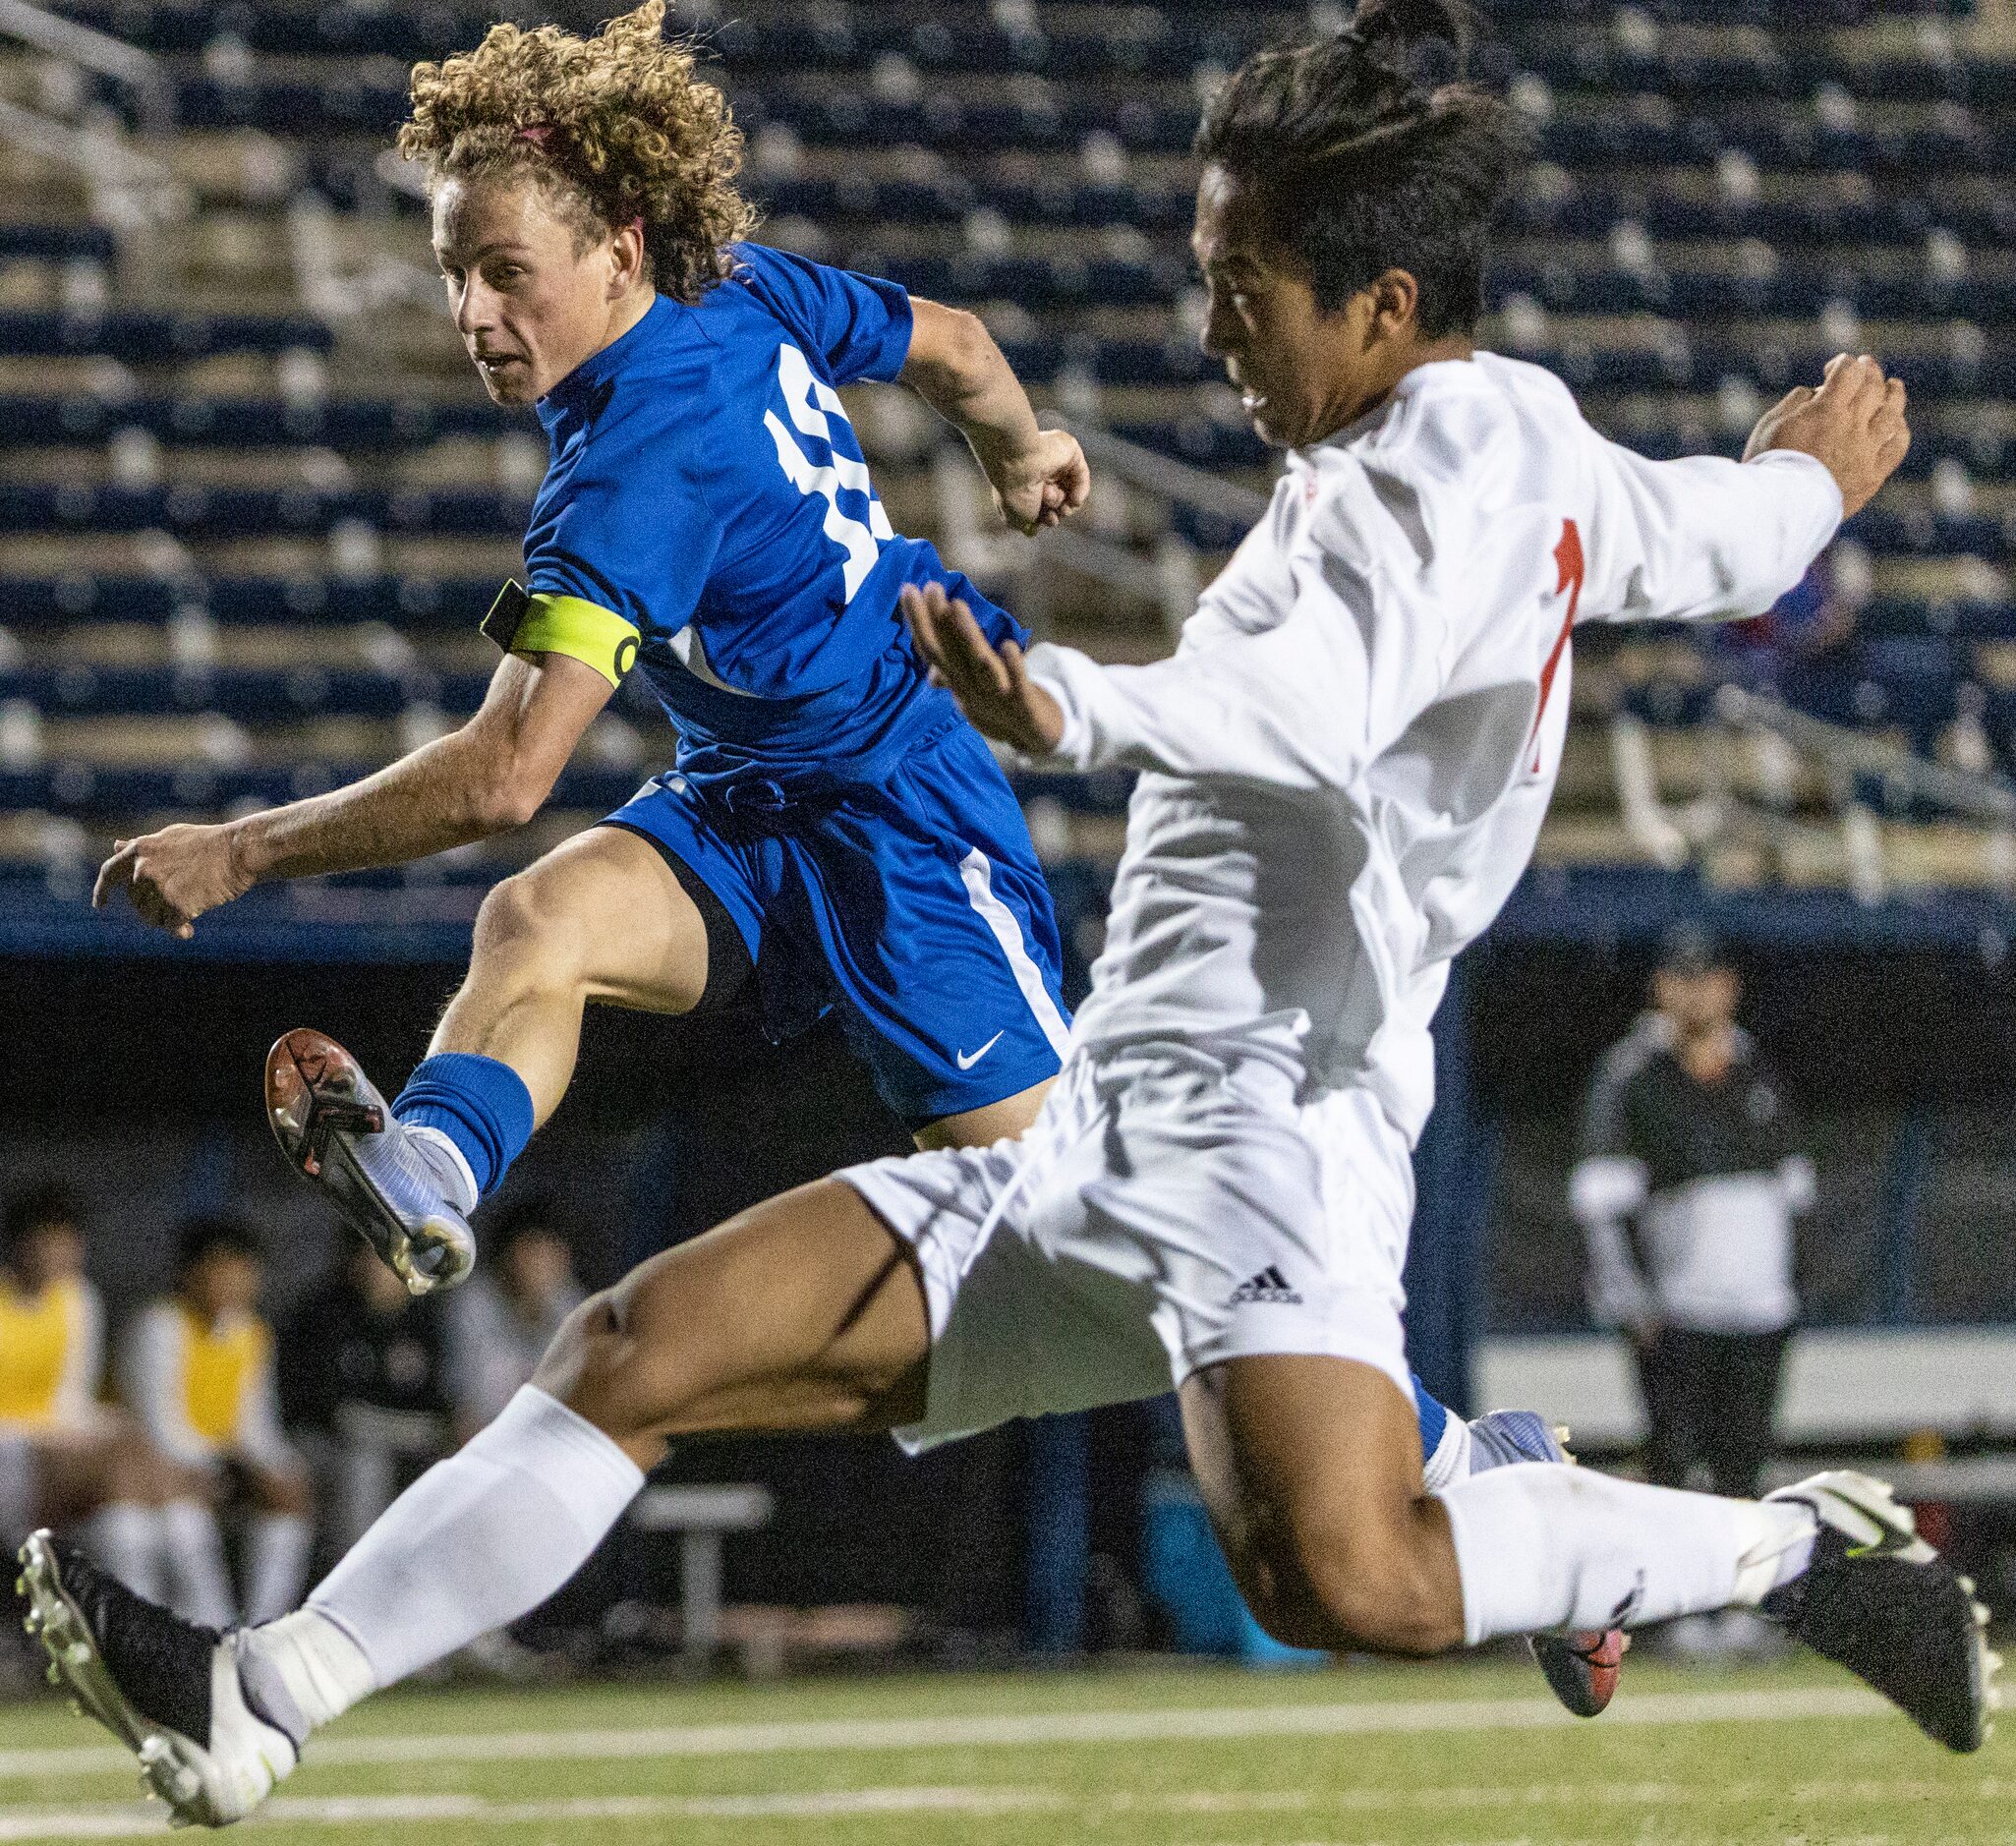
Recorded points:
(1371, 152)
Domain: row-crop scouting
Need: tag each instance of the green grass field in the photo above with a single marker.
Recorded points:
(1463, 1752)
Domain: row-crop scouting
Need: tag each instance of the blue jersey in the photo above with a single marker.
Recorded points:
(707, 489)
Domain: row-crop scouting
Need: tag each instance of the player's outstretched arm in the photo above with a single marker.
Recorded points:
(992, 684)
(1709, 540)
(1039, 477)
(1288, 708)
(493, 773)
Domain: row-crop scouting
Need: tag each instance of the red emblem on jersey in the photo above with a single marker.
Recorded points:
(1568, 560)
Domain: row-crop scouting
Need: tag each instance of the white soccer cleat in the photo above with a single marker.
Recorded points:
(172, 1693)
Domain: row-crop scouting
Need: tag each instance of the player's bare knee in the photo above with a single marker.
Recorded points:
(577, 1362)
(282, 1491)
(600, 1367)
(130, 1468)
(523, 932)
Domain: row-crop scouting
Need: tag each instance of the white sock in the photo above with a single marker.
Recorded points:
(320, 1663)
(126, 1539)
(481, 1539)
(1547, 1547)
(447, 1162)
(1451, 1460)
(202, 1586)
(276, 1565)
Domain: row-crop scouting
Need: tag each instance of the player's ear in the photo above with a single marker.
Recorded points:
(626, 259)
(1396, 296)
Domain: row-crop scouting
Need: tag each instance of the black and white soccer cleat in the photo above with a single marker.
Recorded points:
(172, 1693)
(336, 1131)
(1880, 1602)
(1582, 1668)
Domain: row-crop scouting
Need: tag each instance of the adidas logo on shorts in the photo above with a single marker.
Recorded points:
(1269, 1286)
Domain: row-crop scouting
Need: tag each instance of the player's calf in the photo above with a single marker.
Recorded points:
(1311, 1468)
(1380, 1585)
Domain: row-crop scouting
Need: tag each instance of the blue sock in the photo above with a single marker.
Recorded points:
(1434, 1418)
(480, 1105)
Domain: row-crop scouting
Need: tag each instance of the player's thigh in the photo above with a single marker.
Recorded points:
(1311, 1467)
(1004, 1120)
(805, 1312)
(608, 914)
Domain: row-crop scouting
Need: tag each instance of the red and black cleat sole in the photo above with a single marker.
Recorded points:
(1583, 1669)
(311, 1085)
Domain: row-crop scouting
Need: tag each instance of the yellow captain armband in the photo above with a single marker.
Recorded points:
(523, 623)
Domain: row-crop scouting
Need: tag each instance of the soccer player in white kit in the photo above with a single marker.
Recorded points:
(1344, 770)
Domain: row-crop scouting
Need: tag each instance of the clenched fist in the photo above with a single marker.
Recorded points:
(1853, 425)
(1041, 485)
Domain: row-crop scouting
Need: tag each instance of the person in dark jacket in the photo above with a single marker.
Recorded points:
(1688, 1186)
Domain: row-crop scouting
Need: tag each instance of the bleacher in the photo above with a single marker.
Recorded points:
(252, 502)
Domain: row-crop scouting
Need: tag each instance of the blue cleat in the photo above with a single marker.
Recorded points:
(1581, 1669)
(335, 1129)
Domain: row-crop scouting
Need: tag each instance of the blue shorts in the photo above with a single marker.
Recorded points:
(915, 906)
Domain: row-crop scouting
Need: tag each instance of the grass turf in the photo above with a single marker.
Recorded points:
(1447, 1753)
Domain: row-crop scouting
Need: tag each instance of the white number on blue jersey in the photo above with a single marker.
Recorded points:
(811, 402)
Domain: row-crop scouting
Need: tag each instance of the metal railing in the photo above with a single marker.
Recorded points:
(139, 72)
(1782, 740)
(130, 191)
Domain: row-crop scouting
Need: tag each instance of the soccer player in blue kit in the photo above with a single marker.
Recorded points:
(831, 829)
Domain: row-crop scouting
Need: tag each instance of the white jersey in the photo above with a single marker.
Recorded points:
(1347, 762)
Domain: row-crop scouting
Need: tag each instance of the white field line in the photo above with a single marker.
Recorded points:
(1010, 1729)
(131, 1821)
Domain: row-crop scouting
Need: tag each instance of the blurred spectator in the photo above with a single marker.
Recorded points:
(1688, 1186)
(65, 1457)
(198, 1371)
(502, 1319)
(363, 1385)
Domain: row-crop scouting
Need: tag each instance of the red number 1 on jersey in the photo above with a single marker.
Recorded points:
(1568, 557)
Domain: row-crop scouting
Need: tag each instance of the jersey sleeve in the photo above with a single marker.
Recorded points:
(1607, 1185)
(1702, 538)
(859, 323)
(76, 1404)
(258, 1438)
(1303, 706)
(152, 1384)
(620, 559)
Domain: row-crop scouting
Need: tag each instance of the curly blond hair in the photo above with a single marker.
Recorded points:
(616, 128)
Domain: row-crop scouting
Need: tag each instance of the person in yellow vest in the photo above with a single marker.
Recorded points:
(67, 1458)
(198, 1371)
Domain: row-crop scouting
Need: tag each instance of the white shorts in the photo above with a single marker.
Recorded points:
(1162, 1214)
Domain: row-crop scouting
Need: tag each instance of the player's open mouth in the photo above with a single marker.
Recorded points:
(494, 363)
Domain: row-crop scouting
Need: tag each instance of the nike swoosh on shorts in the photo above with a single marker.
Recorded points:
(968, 1060)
